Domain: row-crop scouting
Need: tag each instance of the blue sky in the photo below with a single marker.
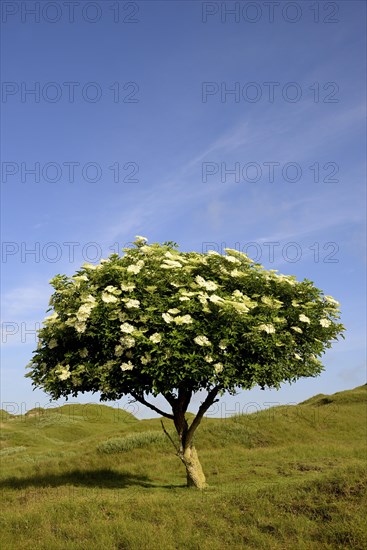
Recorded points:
(152, 96)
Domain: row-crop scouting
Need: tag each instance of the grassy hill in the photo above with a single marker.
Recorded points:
(90, 476)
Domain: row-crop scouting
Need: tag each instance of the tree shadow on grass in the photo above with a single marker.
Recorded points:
(101, 478)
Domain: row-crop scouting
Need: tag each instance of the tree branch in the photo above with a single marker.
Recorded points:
(182, 401)
(141, 399)
(186, 398)
(179, 408)
(170, 398)
(170, 438)
(210, 399)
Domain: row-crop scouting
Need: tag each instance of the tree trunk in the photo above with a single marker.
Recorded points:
(194, 472)
(186, 450)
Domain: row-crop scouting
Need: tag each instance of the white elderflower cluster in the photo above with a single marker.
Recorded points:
(63, 372)
(52, 343)
(167, 317)
(297, 329)
(79, 278)
(238, 253)
(51, 318)
(241, 308)
(218, 367)
(90, 299)
(119, 350)
(170, 264)
(271, 302)
(127, 341)
(129, 303)
(174, 256)
(183, 320)
(187, 293)
(127, 288)
(135, 268)
(155, 338)
(112, 290)
(80, 326)
(202, 340)
(140, 240)
(85, 309)
(291, 281)
(127, 328)
(232, 259)
(325, 323)
(108, 297)
(126, 366)
(216, 299)
(304, 318)
(243, 299)
(208, 285)
(146, 359)
(203, 298)
(331, 301)
(84, 312)
(236, 273)
(195, 260)
(268, 328)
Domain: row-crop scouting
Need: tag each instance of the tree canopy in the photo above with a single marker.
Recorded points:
(156, 318)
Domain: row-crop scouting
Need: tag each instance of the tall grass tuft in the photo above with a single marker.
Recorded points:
(130, 442)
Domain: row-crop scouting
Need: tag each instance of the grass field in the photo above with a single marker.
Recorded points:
(88, 476)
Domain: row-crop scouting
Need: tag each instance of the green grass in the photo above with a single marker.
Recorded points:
(291, 477)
